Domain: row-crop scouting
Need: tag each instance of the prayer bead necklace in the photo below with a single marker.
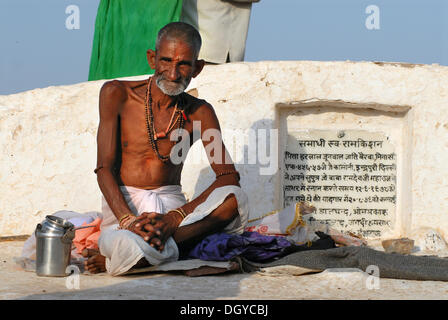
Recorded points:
(153, 136)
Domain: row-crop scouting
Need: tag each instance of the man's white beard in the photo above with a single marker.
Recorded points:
(173, 91)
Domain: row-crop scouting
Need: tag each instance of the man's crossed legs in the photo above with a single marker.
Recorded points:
(184, 236)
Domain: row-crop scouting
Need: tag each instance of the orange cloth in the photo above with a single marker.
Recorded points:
(88, 237)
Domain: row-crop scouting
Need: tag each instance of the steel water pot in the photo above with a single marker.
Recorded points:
(54, 237)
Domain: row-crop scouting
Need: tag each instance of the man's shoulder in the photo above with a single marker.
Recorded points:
(114, 89)
(195, 105)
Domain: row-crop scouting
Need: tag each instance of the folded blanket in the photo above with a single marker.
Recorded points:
(87, 238)
(251, 245)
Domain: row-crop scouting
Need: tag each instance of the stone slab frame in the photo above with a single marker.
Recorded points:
(395, 122)
(48, 136)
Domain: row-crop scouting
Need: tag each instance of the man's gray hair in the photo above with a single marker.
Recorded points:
(183, 31)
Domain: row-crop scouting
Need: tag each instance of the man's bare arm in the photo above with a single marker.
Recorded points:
(217, 154)
(112, 97)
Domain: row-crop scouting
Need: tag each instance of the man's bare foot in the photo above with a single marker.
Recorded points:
(95, 263)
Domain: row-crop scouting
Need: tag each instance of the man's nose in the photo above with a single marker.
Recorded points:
(173, 73)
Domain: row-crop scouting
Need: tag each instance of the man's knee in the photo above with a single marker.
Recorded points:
(115, 241)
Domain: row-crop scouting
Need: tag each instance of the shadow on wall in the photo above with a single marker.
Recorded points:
(255, 155)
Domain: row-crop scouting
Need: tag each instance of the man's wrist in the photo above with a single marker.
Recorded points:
(179, 215)
(126, 220)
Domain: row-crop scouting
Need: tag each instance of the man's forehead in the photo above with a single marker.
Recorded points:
(172, 42)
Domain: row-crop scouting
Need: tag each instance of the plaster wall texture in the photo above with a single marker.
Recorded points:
(48, 136)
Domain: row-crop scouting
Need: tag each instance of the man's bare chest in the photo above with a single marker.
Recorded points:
(140, 130)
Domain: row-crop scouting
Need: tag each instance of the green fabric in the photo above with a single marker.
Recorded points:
(124, 30)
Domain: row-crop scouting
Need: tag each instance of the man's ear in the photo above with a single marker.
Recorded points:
(198, 66)
(151, 57)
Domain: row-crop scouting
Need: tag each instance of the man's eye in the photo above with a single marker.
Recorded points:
(185, 66)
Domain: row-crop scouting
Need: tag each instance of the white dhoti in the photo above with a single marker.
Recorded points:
(123, 248)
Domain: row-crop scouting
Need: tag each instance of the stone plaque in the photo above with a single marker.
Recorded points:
(348, 175)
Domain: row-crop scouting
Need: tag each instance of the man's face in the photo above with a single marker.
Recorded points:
(175, 65)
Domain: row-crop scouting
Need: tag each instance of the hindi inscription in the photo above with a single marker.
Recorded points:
(349, 176)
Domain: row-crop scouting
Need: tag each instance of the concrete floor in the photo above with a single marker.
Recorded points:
(330, 284)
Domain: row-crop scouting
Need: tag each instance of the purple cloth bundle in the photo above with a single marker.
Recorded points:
(251, 245)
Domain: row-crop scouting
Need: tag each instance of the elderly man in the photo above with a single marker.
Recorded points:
(146, 219)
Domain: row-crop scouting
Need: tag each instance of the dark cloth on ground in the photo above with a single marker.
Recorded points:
(252, 246)
(390, 265)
